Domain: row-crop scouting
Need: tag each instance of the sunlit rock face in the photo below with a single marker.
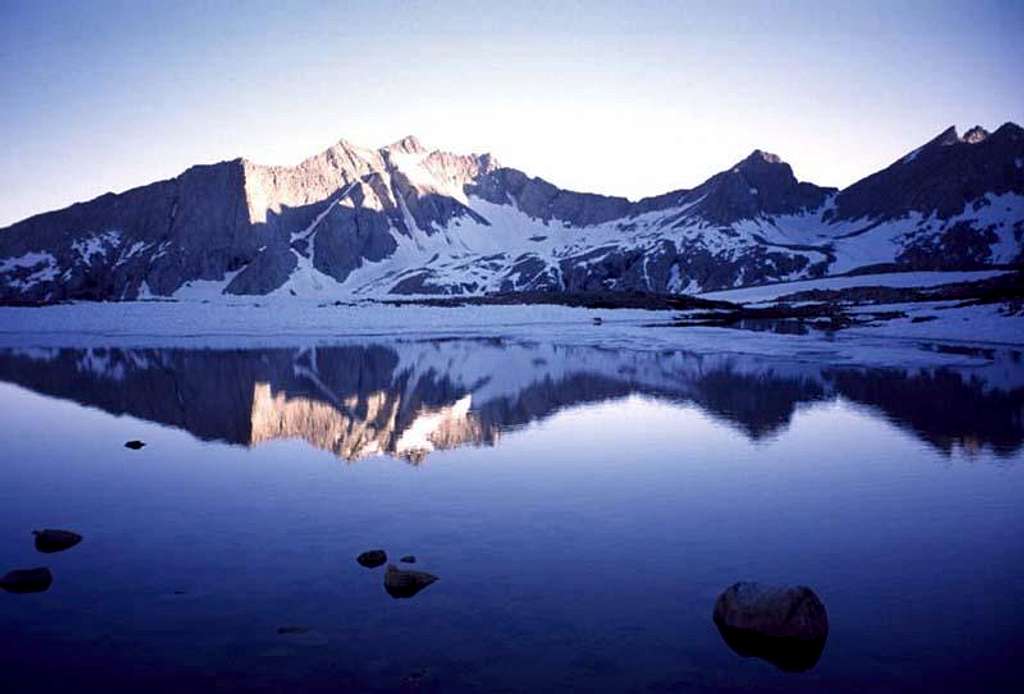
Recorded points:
(321, 424)
(445, 427)
(337, 429)
(405, 219)
(410, 399)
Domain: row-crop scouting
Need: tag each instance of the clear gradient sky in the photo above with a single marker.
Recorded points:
(629, 98)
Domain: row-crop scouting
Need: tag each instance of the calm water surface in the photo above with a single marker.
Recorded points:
(582, 507)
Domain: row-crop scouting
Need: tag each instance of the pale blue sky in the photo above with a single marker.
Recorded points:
(631, 98)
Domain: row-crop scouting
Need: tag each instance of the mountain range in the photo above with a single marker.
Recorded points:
(353, 222)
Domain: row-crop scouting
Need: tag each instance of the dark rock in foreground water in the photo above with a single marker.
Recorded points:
(408, 559)
(784, 625)
(134, 444)
(49, 540)
(27, 580)
(400, 583)
(373, 558)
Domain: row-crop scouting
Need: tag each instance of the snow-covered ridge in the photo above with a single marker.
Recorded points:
(408, 220)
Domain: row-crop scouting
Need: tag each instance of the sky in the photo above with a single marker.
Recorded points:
(625, 98)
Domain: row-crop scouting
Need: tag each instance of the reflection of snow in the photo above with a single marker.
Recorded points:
(364, 425)
(420, 435)
(407, 398)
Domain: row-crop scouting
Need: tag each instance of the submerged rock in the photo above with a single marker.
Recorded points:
(408, 559)
(784, 625)
(49, 540)
(400, 583)
(372, 558)
(134, 444)
(27, 580)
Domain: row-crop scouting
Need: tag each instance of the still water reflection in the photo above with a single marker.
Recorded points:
(580, 509)
(408, 399)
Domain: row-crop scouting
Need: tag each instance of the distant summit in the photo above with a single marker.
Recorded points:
(760, 185)
(760, 156)
(941, 176)
(408, 144)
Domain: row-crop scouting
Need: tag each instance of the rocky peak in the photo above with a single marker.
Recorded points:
(942, 176)
(947, 137)
(1009, 130)
(760, 184)
(764, 169)
(408, 145)
(463, 168)
(341, 150)
(975, 135)
(759, 157)
(487, 162)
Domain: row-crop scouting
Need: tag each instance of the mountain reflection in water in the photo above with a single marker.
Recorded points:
(406, 399)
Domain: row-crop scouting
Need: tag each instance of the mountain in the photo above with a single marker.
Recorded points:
(405, 220)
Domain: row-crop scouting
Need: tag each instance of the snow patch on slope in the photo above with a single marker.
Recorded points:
(307, 281)
(196, 290)
(99, 244)
(43, 265)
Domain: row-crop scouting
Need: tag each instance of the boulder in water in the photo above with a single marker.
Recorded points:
(372, 558)
(134, 444)
(408, 559)
(785, 625)
(400, 583)
(49, 540)
(27, 580)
